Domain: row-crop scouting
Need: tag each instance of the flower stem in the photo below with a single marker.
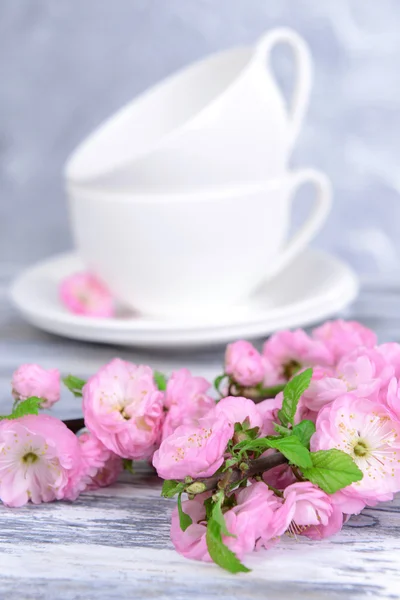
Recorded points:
(257, 394)
(234, 476)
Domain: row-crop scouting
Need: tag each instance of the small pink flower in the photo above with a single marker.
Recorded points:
(191, 543)
(268, 411)
(40, 461)
(392, 399)
(186, 400)
(278, 477)
(323, 391)
(255, 520)
(391, 355)
(364, 429)
(124, 409)
(272, 373)
(244, 364)
(291, 351)
(194, 450)
(84, 294)
(313, 513)
(32, 380)
(101, 467)
(381, 368)
(357, 372)
(236, 409)
(345, 503)
(341, 337)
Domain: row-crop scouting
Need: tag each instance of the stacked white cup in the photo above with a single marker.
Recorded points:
(181, 202)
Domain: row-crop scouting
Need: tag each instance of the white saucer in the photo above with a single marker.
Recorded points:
(314, 287)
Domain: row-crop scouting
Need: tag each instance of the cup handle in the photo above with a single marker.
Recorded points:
(316, 219)
(303, 67)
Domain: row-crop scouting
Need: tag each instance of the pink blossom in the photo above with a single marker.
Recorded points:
(84, 294)
(312, 512)
(381, 368)
(101, 467)
(272, 373)
(278, 477)
(364, 429)
(392, 399)
(40, 460)
(268, 411)
(236, 409)
(244, 364)
(124, 409)
(256, 520)
(191, 543)
(32, 380)
(361, 372)
(341, 337)
(194, 450)
(186, 400)
(351, 505)
(290, 351)
(391, 355)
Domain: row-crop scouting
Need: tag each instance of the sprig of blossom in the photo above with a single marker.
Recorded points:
(303, 434)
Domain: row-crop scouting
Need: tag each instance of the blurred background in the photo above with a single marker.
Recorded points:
(66, 65)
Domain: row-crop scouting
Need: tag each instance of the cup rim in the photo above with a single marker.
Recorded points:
(82, 148)
(222, 192)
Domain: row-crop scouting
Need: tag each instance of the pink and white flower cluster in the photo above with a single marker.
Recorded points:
(126, 416)
(352, 406)
(354, 403)
(287, 352)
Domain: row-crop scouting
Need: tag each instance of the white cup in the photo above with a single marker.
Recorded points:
(220, 121)
(178, 255)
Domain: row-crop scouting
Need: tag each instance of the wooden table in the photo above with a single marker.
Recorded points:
(114, 543)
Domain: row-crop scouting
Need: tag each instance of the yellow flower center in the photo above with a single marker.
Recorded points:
(361, 448)
(29, 458)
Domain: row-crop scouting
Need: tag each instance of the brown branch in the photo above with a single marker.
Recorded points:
(231, 477)
(255, 394)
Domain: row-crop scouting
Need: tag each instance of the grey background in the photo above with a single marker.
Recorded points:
(65, 65)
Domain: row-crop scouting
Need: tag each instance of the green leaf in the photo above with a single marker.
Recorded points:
(304, 431)
(160, 380)
(219, 517)
(30, 406)
(74, 384)
(220, 553)
(230, 462)
(243, 428)
(332, 470)
(292, 448)
(171, 487)
(127, 464)
(292, 393)
(252, 433)
(217, 382)
(284, 431)
(270, 392)
(184, 519)
(258, 445)
(209, 506)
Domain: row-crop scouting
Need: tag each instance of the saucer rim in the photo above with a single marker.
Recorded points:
(153, 339)
(140, 325)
